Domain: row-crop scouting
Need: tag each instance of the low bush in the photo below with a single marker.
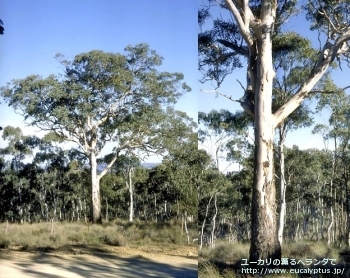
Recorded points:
(114, 239)
(226, 252)
(4, 243)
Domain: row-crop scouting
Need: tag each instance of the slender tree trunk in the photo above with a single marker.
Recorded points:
(186, 230)
(283, 185)
(107, 209)
(203, 224)
(264, 239)
(131, 193)
(96, 198)
(329, 230)
(214, 222)
(73, 209)
(155, 207)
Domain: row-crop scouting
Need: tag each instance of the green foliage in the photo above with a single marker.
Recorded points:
(321, 13)
(103, 97)
(221, 47)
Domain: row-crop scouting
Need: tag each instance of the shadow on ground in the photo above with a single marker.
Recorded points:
(93, 265)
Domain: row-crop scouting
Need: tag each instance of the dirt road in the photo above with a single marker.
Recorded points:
(82, 262)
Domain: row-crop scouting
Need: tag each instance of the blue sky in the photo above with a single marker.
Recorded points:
(36, 30)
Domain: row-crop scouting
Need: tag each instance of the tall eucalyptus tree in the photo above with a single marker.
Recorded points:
(100, 98)
(250, 34)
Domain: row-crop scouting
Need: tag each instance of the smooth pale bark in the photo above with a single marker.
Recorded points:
(186, 230)
(283, 185)
(131, 194)
(203, 224)
(214, 222)
(329, 231)
(264, 241)
(95, 182)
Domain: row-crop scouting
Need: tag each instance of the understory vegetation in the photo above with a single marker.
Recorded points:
(47, 236)
(226, 259)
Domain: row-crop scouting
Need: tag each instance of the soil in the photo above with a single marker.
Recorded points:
(100, 261)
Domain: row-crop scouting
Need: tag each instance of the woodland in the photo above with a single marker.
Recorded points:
(100, 98)
(277, 195)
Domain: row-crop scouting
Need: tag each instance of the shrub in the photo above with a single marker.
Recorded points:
(226, 252)
(4, 243)
(114, 239)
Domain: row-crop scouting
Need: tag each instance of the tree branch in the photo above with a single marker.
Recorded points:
(239, 49)
(246, 106)
(109, 166)
(329, 53)
(241, 24)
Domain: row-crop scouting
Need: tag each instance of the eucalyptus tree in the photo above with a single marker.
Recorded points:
(228, 132)
(293, 57)
(179, 173)
(19, 148)
(250, 34)
(126, 165)
(100, 98)
(308, 196)
(337, 132)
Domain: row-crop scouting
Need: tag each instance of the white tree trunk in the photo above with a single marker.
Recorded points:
(264, 240)
(329, 230)
(214, 222)
(95, 182)
(131, 194)
(283, 185)
(186, 230)
(203, 224)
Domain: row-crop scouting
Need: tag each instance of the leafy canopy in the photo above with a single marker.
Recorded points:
(100, 97)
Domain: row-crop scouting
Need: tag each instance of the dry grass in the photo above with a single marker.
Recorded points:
(208, 270)
(309, 249)
(226, 254)
(234, 252)
(121, 233)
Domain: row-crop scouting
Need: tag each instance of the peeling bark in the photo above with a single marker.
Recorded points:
(264, 240)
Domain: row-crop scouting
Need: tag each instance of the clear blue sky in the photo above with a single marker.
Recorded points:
(36, 30)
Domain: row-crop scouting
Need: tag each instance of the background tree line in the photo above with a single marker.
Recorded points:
(316, 181)
(40, 181)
